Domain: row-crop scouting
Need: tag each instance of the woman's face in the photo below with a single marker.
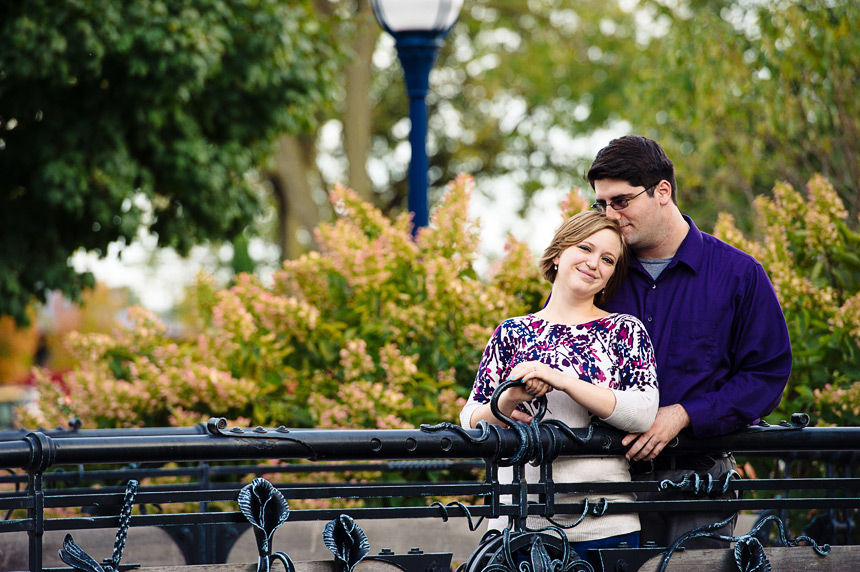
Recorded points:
(586, 267)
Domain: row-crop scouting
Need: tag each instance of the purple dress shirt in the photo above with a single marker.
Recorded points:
(721, 342)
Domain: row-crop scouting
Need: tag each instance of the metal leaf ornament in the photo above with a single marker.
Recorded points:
(266, 509)
(749, 555)
(541, 560)
(74, 556)
(346, 541)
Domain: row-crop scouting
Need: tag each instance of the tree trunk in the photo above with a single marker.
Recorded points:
(294, 162)
(295, 159)
(357, 119)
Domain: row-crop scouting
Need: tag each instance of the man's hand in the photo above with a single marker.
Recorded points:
(669, 422)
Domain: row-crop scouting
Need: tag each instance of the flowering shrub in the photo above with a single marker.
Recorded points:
(134, 377)
(810, 251)
(376, 330)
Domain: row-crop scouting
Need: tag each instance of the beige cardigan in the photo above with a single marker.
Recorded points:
(634, 411)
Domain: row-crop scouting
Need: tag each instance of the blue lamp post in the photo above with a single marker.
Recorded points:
(418, 27)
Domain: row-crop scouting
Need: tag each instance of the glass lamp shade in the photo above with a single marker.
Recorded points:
(435, 16)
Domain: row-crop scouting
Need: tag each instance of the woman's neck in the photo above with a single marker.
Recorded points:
(570, 312)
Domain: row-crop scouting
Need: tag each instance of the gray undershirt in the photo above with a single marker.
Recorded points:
(654, 266)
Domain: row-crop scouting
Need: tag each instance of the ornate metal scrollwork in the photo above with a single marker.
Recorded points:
(266, 509)
(464, 508)
(485, 428)
(546, 550)
(218, 426)
(749, 554)
(697, 485)
(74, 555)
(530, 446)
(595, 509)
(528, 434)
(445, 426)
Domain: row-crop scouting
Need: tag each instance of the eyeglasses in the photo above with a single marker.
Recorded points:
(618, 204)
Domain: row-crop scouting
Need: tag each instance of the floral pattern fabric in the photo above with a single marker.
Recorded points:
(614, 352)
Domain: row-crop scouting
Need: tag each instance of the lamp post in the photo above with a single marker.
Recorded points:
(418, 27)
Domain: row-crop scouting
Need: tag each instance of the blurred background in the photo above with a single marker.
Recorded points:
(141, 145)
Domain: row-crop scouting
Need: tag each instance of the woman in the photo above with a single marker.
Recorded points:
(587, 362)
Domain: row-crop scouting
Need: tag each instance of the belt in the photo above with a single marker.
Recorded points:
(672, 463)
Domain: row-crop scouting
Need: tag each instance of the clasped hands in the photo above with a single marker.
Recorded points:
(535, 377)
(539, 379)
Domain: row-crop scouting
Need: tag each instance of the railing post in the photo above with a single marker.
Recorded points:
(36, 515)
(522, 497)
(491, 476)
(42, 455)
(207, 537)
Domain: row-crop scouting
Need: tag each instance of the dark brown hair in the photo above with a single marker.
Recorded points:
(636, 160)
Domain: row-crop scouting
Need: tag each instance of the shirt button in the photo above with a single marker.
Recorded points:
(650, 319)
(653, 286)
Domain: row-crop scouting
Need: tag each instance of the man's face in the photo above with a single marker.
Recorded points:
(639, 221)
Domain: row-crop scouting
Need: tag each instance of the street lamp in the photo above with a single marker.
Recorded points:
(418, 27)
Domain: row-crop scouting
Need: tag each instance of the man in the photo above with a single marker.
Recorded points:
(722, 346)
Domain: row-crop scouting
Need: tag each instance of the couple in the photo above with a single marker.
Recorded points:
(688, 310)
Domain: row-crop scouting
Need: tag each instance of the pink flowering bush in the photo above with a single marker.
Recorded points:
(810, 250)
(380, 330)
(376, 330)
(137, 376)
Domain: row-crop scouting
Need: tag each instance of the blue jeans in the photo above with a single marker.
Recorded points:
(632, 540)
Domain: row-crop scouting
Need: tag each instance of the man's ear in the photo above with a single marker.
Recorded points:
(663, 192)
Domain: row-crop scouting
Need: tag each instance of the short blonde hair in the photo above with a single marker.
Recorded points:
(573, 231)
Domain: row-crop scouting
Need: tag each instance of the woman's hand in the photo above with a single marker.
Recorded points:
(596, 400)
(510, 398)
(517, 394)
(539, 378)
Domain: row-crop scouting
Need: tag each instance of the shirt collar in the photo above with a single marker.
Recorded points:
(689, 253)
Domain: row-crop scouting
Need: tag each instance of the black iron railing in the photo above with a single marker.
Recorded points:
(49, 470)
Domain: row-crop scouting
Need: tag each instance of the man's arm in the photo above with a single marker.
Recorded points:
(761, 361)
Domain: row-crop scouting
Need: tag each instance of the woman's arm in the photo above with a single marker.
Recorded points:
(638, 395)
(597, 400)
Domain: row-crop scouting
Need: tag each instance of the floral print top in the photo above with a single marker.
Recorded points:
(613, 352)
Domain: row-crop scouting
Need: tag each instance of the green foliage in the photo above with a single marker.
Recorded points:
(120, 115)
(376, 330)
(744, 94)
(810, 254)
(506, 100)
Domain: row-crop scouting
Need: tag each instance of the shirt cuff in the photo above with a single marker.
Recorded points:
(634, 411)
(466, 414)
(700, 412)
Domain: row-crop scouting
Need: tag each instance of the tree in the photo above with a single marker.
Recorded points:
(740, 94)
(118, 116)
(502, 94)
(746, 93)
